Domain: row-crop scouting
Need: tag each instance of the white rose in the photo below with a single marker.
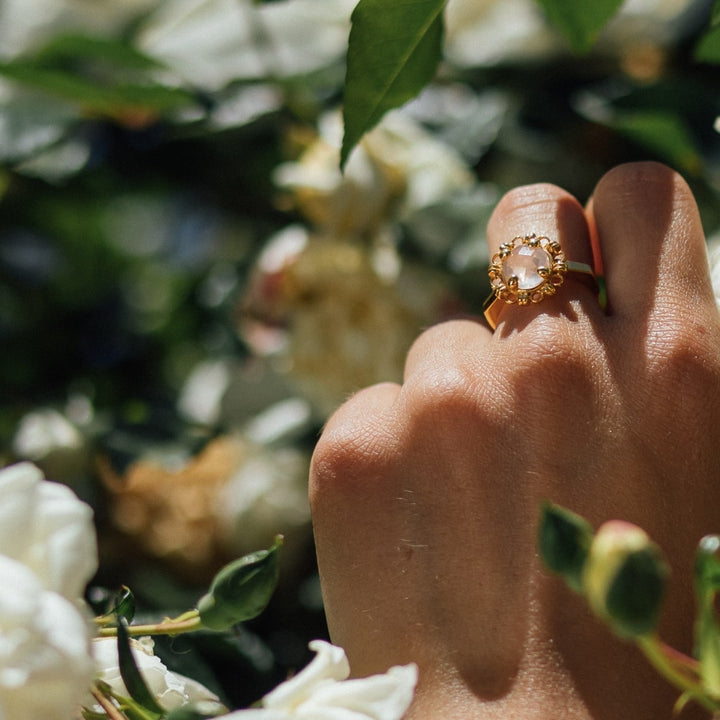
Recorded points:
(47, 528)
(210, 43)
(26, 24)
(396, 162)
(321, 691)
(714, 261)
(45, 662)
(266, 494)
(486, 32)
(170, 689)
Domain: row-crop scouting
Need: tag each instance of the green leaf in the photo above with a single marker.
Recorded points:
(74, 48)
(92, 715)
(564, 541)
(663, 133)
(394, 50)
(134, 681)
(125, 604)
(241, 590)
(579, 22)
(715, 15)
(635, 595)
(97, 97)
(708, 47)
(707, 632)
(123, 607)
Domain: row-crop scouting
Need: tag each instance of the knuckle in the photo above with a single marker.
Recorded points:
(554, 363)
(683, 357)
(351, 453)
(444, 396)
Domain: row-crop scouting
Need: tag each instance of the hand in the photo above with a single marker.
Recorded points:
(426, 496)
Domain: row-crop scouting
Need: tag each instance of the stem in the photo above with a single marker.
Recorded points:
(107, 705)
(187, 622)
(676, 667)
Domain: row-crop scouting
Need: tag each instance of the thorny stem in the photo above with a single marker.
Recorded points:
(187, 622)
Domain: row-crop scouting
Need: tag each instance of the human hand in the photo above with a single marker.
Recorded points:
(426, 496)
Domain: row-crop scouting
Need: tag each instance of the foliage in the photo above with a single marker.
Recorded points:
(145, 150)
(621, 573)
(394, 51)
(239, 592)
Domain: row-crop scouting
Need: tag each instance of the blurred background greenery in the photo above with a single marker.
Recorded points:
(188, 285)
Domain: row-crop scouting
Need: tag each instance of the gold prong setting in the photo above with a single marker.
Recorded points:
(527, 269)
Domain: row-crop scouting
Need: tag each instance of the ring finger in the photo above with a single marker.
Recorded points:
(541, 210)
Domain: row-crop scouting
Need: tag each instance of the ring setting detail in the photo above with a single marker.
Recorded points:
(526, 270)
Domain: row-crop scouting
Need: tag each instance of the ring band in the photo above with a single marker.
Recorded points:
(528, 269)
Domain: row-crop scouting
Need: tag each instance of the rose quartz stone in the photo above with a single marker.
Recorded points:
(523, 263)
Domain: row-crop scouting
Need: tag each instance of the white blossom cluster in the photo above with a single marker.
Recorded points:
(47, 555)
(48, 658)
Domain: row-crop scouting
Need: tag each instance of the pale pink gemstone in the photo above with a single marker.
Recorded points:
(523, 263)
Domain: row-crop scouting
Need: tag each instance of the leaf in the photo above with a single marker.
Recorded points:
(664, 133)
(394, 50)
(134, 681)
(635, 595)
(96, 97)
(241, 590)
(125, 604)
(707, 631)
(579, 22)
(564, 540)
(123, 608)
(114, 53)
(708, 47)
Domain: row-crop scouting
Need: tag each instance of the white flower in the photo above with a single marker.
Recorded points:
(45, 662)
(485, 32)
(322, 692)
(44, 430)
(47, 528)
(212, 42)
(266, 494)
(170, 689)
(396, 162)
(713, 246)
(25, 24)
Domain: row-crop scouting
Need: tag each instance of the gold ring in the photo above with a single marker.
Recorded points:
(528, 269)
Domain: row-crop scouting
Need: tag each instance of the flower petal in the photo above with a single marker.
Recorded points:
(330, 663)
(381, 697)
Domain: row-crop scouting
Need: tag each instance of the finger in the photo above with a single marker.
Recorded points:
(546, 210)
(456, 342)
(647, 225)
(360, 431)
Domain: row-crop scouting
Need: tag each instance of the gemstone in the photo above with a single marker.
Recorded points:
(523, 263)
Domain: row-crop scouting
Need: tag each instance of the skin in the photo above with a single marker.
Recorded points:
(426, 495)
